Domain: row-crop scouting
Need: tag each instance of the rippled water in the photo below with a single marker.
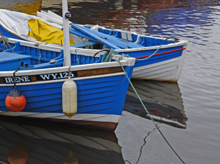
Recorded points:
(187, 113)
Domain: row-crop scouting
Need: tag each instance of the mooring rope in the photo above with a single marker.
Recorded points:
(151, 54)
(149, 113)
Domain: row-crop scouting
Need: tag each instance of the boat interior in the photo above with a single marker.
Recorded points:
(119, 38)
(146, 41)
(20, 57)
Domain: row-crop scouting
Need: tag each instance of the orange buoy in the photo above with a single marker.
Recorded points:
(17, 156)
(15, 100)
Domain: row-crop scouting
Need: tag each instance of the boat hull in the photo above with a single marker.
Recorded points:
(165, 65)
(100, 98)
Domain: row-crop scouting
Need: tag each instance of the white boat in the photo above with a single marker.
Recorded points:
(157, 58)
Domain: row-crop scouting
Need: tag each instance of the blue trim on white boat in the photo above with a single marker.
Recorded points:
(6, 33)
(154, 59)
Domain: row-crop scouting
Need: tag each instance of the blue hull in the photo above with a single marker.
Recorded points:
(96, 96)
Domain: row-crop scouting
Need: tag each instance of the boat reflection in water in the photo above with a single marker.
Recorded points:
(46, 142)
(24, 6)
(163, 101)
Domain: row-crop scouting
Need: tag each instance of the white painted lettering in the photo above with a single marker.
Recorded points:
(45, 77)
(54, 76)
(65, 75)
(9, 80)
(26, 78)
(17, 80)
(61, 76)
(71, 74)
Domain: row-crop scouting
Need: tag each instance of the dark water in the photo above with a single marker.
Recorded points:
(188, 113)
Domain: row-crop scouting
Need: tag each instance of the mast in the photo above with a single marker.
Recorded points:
(66, 17)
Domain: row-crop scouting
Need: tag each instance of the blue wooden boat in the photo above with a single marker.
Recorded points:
(157, 58)
(39, 72)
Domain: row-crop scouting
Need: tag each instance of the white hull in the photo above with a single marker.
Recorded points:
(168, 70)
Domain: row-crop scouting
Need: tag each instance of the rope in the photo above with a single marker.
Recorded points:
(39, 61)
(149, 113)
(89, 45)
(6, 42)
(78, 62)
(151, 55)
(106, 56)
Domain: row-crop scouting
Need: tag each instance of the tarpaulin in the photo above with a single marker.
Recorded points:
(44, 32)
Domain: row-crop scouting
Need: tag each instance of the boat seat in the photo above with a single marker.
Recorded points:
(17, 49)
(13, 61)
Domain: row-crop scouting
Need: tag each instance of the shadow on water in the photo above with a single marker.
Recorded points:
(163, 101)
(46, 142)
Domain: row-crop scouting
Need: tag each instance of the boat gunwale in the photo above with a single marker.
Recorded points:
(91, 52)
(125, 62)
(64, 79)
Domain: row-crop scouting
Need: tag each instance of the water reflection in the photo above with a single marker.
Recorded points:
(163, 101)
(45, 142)
(25, 6)
(160, 17)
(122, 14)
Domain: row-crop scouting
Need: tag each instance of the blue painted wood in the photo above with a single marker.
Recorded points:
(107, 39)
(78, 33)
(97, 96)
(12, 61)
(81, 45)
(8, 34)
(91, 33)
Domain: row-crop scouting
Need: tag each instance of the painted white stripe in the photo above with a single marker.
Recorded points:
(62, 80)
(125, 62)
(61, 116)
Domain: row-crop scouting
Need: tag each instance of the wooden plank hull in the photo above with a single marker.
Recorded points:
(101, 86)
(100, 98)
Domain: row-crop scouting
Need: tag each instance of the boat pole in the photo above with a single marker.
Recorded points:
(66, 17)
